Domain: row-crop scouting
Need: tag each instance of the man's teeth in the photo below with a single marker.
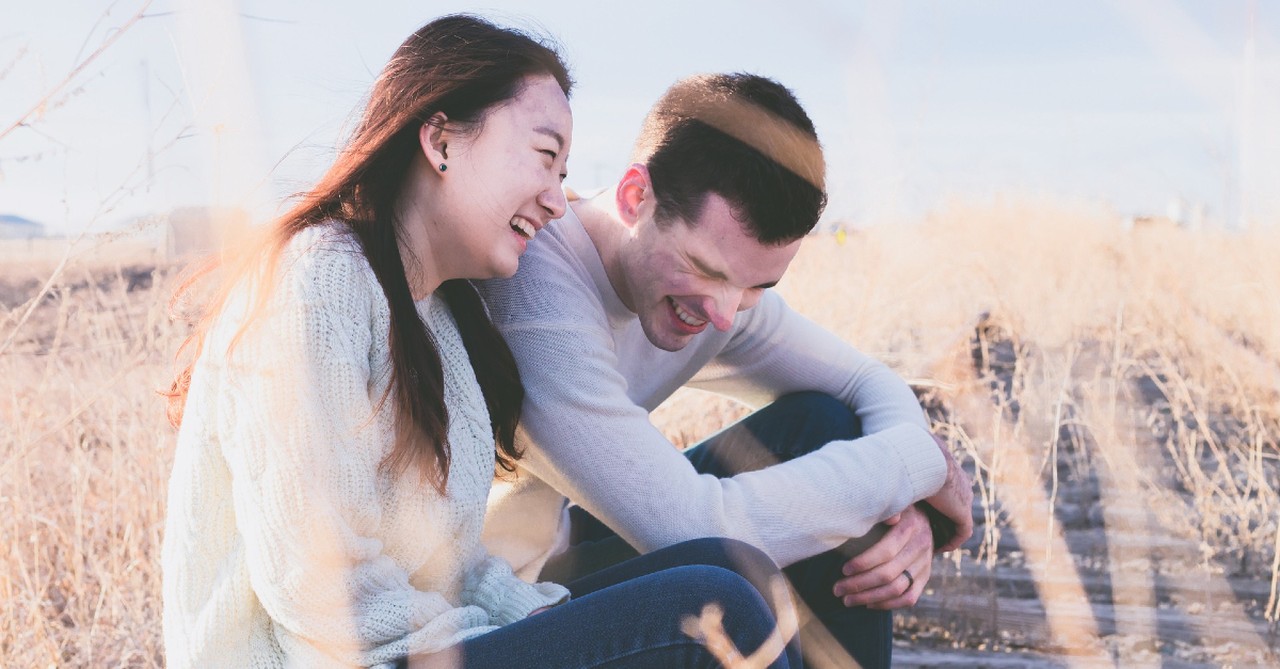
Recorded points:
(684, 316)
(523, 227)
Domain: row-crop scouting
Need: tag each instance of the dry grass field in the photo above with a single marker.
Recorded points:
(1115, 394)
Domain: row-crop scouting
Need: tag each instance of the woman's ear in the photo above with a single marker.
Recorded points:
(433, 138)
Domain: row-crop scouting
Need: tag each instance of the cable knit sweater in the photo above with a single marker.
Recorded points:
(593, 377)
(284, 546)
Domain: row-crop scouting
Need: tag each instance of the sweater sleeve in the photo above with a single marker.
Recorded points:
(491, 585)
(775, 351)
(303, 451)
(587, 439)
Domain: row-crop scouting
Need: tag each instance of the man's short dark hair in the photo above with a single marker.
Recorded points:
(743, 137)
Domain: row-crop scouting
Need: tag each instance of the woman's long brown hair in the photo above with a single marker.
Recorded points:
(462, 66)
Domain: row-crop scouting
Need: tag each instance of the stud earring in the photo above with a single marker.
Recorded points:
(443, 167)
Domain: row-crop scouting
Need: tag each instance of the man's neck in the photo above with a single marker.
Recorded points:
(599, 216)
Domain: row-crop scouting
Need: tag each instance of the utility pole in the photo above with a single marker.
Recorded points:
(1247, 120)
(150, 130)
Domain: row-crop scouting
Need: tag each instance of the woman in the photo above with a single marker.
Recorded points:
(338, 425)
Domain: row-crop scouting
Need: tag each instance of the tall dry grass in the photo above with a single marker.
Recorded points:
(1114, 342)
(84, 459)
(1147, 360)
(1121, 381)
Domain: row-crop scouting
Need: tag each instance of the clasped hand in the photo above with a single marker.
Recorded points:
(893, 572)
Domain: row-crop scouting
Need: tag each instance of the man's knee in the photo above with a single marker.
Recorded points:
(698, 584)
(820, 413)
(731, 554)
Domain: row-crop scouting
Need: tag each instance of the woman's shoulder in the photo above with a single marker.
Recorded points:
(325, 257)
(327, 244)
(318, 284)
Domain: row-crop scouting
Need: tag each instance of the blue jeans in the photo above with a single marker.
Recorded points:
(790, 427)
(628, 616)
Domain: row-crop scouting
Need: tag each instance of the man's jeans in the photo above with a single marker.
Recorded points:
(790, 427)
(628, 616)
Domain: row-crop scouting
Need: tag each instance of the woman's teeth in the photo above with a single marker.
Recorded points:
(523, 227)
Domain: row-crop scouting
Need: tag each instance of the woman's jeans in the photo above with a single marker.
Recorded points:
(629, 615)
(792, 426)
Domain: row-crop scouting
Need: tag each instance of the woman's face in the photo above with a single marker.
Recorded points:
(503, 182)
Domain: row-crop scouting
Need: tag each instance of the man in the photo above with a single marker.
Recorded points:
(663, 281)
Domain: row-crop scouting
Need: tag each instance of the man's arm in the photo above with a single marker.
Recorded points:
(586, 438)
(776, 351)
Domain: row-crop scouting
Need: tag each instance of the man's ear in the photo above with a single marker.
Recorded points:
(433, 138)
(634, 196)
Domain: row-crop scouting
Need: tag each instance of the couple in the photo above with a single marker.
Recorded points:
(353, 394)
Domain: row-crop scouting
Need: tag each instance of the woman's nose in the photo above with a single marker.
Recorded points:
(552, 200)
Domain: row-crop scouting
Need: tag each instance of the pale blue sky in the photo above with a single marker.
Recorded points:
(1129, 103)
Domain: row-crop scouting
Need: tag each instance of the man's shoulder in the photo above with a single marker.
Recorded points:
(553, 286)
(770, 313)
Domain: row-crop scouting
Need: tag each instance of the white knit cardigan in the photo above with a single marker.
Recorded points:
(284, 546)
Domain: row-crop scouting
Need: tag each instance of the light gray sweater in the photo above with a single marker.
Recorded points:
(592, 377)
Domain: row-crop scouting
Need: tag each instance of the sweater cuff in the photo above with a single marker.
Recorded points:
(506, 597)
(921, 459)
(521, 599)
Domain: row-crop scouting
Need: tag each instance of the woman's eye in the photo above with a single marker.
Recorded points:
(549, 152)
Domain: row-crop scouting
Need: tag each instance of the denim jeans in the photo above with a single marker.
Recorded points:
(792, 426)
(628, 616)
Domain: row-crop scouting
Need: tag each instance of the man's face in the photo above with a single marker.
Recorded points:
(682, 278)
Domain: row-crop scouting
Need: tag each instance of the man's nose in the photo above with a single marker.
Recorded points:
(724, 309)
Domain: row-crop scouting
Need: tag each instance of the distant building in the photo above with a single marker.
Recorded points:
(1179, 214)
(17, 227)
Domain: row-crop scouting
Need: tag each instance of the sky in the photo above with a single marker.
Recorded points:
(1135, 104)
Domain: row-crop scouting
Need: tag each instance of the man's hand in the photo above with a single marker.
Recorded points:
(893, 572)
(954, 502)
(877, 577)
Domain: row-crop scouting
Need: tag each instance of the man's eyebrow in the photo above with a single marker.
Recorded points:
(701, 266)
(544, 130)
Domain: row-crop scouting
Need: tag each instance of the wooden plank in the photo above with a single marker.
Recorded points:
(1026, 619)
(1098, 542)
(1019, 582)
(906, 657)
(912, 658)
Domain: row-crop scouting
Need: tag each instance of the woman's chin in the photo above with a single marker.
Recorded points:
(503, 270)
